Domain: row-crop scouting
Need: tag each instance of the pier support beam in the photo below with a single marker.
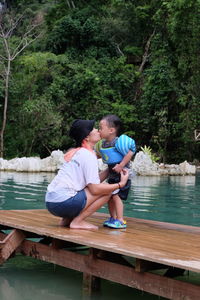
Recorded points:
(142, 265)
(10, 243)
(91, 283)
(148, 282)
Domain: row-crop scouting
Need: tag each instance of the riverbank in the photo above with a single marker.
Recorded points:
(141, 165)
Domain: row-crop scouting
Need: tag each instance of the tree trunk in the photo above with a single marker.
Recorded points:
(141, 68)
(5, 109)
(9, 55)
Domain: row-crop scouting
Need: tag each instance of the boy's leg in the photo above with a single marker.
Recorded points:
(118, 222)
(115, 178)
(119, 207)
(112, 211)
(112, 208)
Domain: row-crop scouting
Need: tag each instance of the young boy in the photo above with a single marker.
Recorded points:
(116, 151)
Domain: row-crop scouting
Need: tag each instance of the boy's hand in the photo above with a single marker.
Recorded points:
(117, 168)
(124, 177)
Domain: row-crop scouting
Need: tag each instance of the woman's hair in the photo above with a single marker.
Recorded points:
(115, 122)
(80, 129)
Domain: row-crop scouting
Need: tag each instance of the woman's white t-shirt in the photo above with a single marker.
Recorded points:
(74, 176)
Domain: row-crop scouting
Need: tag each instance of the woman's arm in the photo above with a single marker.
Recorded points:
(105, 188)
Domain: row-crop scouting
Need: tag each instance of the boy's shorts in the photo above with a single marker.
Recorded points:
(123, 192)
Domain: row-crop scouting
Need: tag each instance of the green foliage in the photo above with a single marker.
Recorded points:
(51, 91)
(87, 65)
(148, 151)
(77, 32)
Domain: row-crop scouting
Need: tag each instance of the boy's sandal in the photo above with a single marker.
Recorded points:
(110, 220)
(117, 224)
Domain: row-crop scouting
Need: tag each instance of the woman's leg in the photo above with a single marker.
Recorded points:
(65, 221)
(94, 202)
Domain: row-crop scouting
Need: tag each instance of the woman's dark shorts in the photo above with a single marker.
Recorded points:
(69, 208)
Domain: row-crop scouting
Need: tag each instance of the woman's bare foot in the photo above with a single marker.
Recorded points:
(82, 225)
(65, 222)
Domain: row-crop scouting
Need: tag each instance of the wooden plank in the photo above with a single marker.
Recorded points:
(158, 242)
(10, 244)
(152, 283)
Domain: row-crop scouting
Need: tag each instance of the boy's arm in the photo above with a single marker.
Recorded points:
(118, 167)
(103, 175)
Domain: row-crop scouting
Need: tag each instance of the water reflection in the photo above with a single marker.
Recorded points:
(183, 180)
(22, 177)
(23, 190)
(173, 199)
(42, 280)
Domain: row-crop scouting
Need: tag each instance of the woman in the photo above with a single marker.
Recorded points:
(76, 192)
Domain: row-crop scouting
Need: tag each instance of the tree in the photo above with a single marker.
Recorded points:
(13, 40)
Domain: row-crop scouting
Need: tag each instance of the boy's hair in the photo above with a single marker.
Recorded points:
(115, 122)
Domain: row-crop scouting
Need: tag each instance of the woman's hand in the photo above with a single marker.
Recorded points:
(124, 177)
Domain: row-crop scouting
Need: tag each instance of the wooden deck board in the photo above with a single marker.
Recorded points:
(165, 243)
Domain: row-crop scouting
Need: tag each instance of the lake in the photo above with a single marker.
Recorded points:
(173, 199)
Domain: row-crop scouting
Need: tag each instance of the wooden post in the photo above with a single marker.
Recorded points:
(10, 244)
(91, 283)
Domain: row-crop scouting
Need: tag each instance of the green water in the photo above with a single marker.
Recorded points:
(168, 199)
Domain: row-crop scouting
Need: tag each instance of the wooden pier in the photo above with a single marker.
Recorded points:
(146, 255)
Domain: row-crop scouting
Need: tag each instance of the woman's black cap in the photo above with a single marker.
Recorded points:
(80, 129)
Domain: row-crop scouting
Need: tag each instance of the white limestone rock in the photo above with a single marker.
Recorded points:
(53, 162)
(142, 165)
(34, 164)
(186, 168)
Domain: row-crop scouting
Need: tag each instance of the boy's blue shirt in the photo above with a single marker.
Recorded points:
(114, 152)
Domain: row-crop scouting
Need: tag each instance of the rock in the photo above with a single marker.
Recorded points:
(142, 165)
(34, 164)
(53, 162)
(187, 168)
